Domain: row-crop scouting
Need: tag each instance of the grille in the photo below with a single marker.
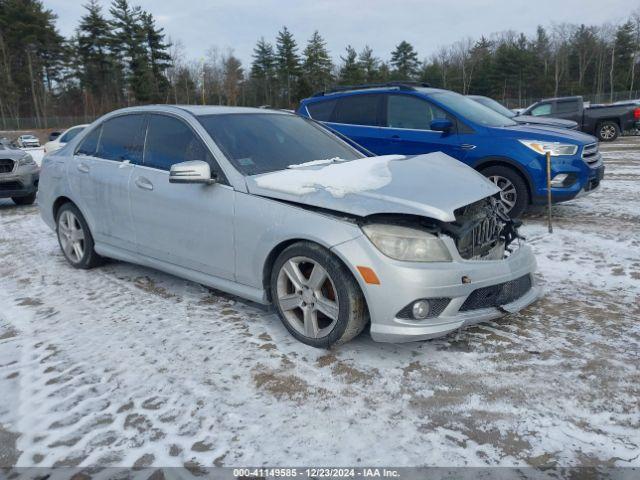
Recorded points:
(483, 235)
(437, 307)
(6, 165)
(591, 153)
(496, 295)
(10, 186)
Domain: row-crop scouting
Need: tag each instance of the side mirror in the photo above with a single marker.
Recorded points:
(441, 125)
(195, 171)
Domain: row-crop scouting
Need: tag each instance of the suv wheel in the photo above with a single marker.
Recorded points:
(608, 131)
(28, 200)
(318, 300)
(514, 193)
(75, 238)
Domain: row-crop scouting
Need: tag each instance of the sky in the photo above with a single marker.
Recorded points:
(381, 24)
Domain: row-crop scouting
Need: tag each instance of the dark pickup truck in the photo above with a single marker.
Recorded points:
(604, 121)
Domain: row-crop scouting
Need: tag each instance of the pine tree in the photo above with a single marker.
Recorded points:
(369, 65)
(351, 71)
(482, 59)
(31, 51)
(623, 53)
(100, 73)
(158, 56)
(288, 64)
(405, 61)
(317, 63)
(263, 71)
(128, 43)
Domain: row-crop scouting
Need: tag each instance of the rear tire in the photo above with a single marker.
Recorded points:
(317, 298)
(75, 239)
(514, 193)
(608, 131)
(28, 200)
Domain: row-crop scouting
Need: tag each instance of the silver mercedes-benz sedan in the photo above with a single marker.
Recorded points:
(275, 208)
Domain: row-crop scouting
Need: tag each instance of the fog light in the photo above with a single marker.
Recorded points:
(558, 180)
(420, 309)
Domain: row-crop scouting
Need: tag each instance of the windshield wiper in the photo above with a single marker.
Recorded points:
(316, 163)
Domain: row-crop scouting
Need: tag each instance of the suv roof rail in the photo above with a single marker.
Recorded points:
(402, 85)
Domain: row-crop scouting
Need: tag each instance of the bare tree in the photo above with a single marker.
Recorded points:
(560, 34)
(462, 57)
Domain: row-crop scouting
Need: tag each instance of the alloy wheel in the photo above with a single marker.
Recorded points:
(607, 132)
(72, 237)
(508, 192)
(307, 297)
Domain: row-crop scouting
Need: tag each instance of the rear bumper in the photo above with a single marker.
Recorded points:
(402, 283)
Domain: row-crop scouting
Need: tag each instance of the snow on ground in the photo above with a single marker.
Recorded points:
(124, 365)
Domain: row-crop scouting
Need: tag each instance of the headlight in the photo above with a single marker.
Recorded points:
(408, 244)
(554, 148)
(26, 160)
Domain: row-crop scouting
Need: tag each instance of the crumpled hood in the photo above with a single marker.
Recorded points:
(432, 185)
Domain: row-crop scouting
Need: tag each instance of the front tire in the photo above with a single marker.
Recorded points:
(608, 131)
(318, 300)
(75, 238)
(514, 193)
(28, 200)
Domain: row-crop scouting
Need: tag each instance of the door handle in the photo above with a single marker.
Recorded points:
(395, 138)
(83, 167)
(144, 183)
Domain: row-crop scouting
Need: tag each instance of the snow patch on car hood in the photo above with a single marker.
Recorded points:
(432, 185)
(343, 178)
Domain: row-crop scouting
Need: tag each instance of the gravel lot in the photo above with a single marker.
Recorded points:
(126, 366)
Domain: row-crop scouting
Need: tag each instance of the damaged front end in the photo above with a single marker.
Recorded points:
(481, 230)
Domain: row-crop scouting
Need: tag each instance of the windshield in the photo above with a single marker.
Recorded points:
(265, 142)
(472, 110)
(494, 105)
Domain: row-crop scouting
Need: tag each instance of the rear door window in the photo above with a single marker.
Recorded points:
(360, 110)
(322, 111)
(570, 106)
(405, 111)
(89, 145)
(170, 141)
(122, 138)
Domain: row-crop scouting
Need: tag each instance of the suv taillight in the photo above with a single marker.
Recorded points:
(636, 114)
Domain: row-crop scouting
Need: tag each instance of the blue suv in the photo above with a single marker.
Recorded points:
(410, 120)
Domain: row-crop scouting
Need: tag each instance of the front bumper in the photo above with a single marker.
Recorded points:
(584, 184)
(402, 283)
(19, 184)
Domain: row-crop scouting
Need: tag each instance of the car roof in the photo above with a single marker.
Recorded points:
(553, 99)
(199, 110)
(363, 89)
